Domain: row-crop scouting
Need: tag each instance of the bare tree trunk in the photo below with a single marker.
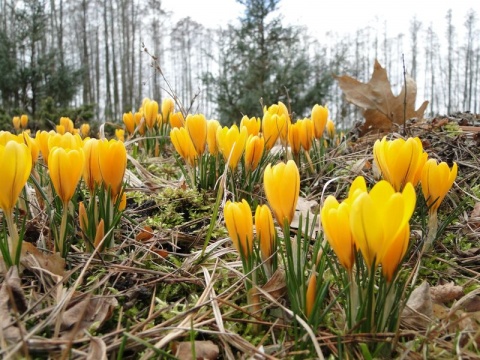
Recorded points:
(108, 95)
(415, 26)
(87, 87)
(57, 25)
(450, 38)
(116, 100)
(125, 56)
(469, 56)
(136, 52)
(97, 70)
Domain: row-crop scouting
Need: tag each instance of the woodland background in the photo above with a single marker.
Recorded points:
(93, 60)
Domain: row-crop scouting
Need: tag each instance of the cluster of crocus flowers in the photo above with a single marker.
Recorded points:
(183, 144)
(374, 223)
(206, 146)
(403, 161)
(20, 122)
(66, 126)
(231, 144)
(151, 122)
(190, 140)
(275, 122)
(67, 157)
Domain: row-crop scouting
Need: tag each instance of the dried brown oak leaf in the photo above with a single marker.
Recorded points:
(381, 109)
(203, 350)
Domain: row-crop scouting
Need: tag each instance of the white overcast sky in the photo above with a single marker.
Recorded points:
(340, 16)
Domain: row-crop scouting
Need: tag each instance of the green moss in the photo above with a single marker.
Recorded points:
(452, 129)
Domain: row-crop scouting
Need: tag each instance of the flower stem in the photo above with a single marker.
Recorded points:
(13, 238)
(353, 289)
(432, 230)
(63, 230)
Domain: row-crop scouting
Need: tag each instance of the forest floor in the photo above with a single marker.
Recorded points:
(158, 297)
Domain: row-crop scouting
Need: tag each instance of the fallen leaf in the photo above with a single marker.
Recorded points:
(442, 294)
(146, 233)
(472, 304)
(419, 309)
(305, 208)
(86, 312)
(97, 349)
(474, 220)
(12, 300)
(203, 350)
(276, 286)
(32, 258)
(381, 108)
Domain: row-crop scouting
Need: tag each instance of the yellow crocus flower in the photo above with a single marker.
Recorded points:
(294, 137)
(379, 223)
(82, 218)
(196, 126)
(91, 170)
(31, 144)
(400, 161)
(129, 122)
(85, 130)
(150, 112)
(67, 140)
(6, 136)
(24, 121)
(42, 137)
(275, 122)
(120, 134)
(335, 219)
(67, 124)
(270, 129)
(184, 145)
(231, 143)
(306, 134)
(212, 126)
(254, 148)
(60, 129)
(265, 231)
(65, 168)
(252, 124)
(168, 106)
(330, 126)
(437, 179)
(239, 223)
(319, 117)
(139, 122)
(16, 122)
(311, 294)
(16, 165)
(112, 160)
(282, 187)
(176, 120)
